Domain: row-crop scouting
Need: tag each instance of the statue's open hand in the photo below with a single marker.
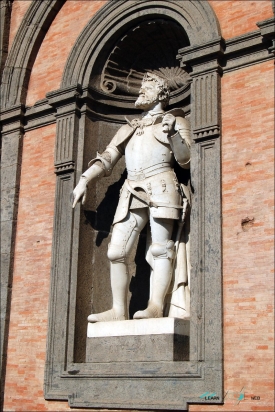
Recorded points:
(80, 191)
(168, 124)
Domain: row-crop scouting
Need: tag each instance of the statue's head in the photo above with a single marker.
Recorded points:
(153, 90)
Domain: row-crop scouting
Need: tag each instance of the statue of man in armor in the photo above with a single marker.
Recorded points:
(151, 193)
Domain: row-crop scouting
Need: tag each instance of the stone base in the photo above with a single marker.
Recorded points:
(144, 340)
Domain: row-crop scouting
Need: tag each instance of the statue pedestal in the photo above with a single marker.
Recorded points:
(163, 339)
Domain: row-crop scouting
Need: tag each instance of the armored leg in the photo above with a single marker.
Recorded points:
(124, 237)
(162, 251)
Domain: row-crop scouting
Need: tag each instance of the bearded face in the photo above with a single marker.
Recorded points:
(148, 96)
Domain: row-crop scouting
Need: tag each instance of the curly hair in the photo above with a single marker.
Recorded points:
(162, 85)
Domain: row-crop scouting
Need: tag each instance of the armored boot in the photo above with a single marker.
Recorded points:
(119, 285)
(124, 236)
(161, 278)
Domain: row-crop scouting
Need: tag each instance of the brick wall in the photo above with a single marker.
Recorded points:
(28, 323)
(31, 281)
(247, 195)
(240, 16)
(19, 8)
(51, 59)
(248, 244)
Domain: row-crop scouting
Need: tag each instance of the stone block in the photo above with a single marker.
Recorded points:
(11, 149)
(9, 203)
(138, 327)
(10, 176)
(154, 340)
(7, 236)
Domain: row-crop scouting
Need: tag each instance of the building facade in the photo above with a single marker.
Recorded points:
(58, 107)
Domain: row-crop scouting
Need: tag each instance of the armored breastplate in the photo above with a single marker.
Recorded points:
(144, 153)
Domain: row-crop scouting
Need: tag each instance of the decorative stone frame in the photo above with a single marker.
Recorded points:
(142, 385)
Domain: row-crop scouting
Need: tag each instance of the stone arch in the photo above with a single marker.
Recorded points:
(197, 19)
(26, 44)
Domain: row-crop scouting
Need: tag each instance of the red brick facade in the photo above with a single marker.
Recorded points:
(247, 204)
(248, 274)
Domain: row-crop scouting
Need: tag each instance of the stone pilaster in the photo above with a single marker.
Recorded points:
(5, 15)
(203, 63)
(66, 102)
(12, 137)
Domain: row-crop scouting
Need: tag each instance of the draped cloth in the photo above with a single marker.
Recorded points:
(178, 297)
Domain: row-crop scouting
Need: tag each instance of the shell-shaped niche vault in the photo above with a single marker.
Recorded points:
(151, 45)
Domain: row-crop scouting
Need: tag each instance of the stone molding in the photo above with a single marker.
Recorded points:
(249, 49)
(12, 119)
(39, 115)
(5, 15)
(267, 28)
(198, 58)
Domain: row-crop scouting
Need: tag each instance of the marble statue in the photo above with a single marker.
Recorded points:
(151, 193)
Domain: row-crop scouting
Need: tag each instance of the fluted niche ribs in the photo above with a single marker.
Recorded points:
(58, 141)
(197, 92)
(213, 109)
(206, 99)
(64, 145)
(68, 142)
(66, 104)
(206, 116)
(63, 139)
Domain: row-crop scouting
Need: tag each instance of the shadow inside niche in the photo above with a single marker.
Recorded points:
(140, 283)
(101, 220)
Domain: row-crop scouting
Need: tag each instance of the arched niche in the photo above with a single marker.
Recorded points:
(90, 107)
(197, 19)
(150, 44)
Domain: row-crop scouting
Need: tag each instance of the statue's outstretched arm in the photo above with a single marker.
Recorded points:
(101, 166)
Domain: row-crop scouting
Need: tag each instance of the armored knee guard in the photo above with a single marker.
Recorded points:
(116, 253)
(163, 250)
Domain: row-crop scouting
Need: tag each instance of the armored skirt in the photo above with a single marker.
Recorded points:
(160, 193)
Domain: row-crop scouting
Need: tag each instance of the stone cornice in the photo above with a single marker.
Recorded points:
(236, 53)
(202, 58)
(39, 115)
(232, 54)
(202, 52)
(267, 28)
(247, 49)
(12, 119)
(62, 97)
